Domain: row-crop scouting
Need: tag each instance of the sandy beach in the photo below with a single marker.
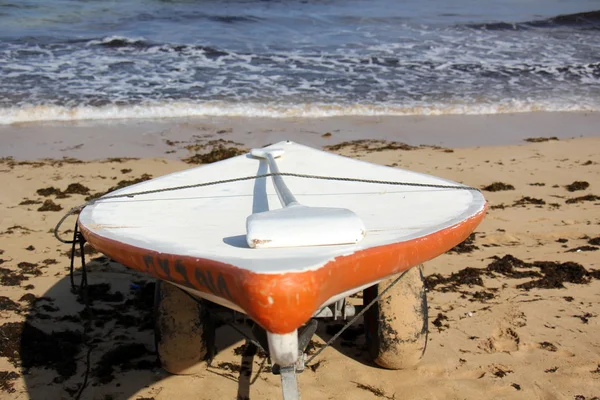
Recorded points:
(513, 312)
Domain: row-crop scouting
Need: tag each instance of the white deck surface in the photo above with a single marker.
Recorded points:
(210, 222)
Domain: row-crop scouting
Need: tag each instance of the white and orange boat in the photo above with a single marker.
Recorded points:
(284, 246)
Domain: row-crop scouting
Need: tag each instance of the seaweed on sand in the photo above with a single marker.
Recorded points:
(543, 274)
(466, 246)
(56, 350)
(498, 186)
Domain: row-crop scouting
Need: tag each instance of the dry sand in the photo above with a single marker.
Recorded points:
(501, 325)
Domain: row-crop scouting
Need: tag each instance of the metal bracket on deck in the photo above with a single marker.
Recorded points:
(337, 310)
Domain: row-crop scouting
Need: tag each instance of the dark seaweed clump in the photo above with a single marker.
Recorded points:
(124, 357)
(101, 292)
(589, 197)
(135, 311)
(76, 188)
(582, 248)
(29, 268)
(528, 200)
(27, 346)
(501, 373)
(56, 350)
(73, 188)
(548, 346)
(467, 246)
(467, 276)
(481, 296)
(6, 378)
(554, 275)
(30, 298)
(540, 139)
(49, 205)
(585, 317)
(28, 202)
(23, 230)
(512, 267)
(438, 322)
(7, 304)
(577, 185)
(11, 278)
(119, 159)
(497, 187)
(544, 274)
(370, 145)
(228, 366)
(375, 391)
(218, 153)
(49, 191)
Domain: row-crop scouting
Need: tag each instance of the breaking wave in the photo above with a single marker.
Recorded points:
(585, 21)
(27, 114)
(295, 58)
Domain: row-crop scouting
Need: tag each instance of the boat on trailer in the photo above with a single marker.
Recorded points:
(285, 234)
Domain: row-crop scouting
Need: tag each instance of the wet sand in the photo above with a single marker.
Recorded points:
(92, 140)
(513, 311)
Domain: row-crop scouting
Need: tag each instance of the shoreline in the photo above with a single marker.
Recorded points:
(84, 140)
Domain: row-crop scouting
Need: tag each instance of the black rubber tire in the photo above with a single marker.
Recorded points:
(184, 331)
(396, 325)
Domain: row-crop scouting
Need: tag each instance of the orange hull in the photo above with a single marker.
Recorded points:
(282, 302)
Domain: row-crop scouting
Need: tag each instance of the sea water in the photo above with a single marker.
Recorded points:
(99, 59)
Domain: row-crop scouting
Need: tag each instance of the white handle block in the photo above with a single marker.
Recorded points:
(297, 226)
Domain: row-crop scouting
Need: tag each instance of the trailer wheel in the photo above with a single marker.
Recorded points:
(396, 325)
(184, 331)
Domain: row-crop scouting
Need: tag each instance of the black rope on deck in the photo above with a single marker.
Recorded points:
(293, 175)
(78, 209)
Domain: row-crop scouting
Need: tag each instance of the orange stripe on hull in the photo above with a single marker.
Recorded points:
(283, 302)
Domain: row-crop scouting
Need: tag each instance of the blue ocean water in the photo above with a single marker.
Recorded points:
(96, 59)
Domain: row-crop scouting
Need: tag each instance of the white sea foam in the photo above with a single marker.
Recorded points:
(343, 64)
(16, 115)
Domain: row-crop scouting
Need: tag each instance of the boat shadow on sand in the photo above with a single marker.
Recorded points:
(109, 346)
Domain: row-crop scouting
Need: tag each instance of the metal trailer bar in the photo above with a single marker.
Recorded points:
(289, 385)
